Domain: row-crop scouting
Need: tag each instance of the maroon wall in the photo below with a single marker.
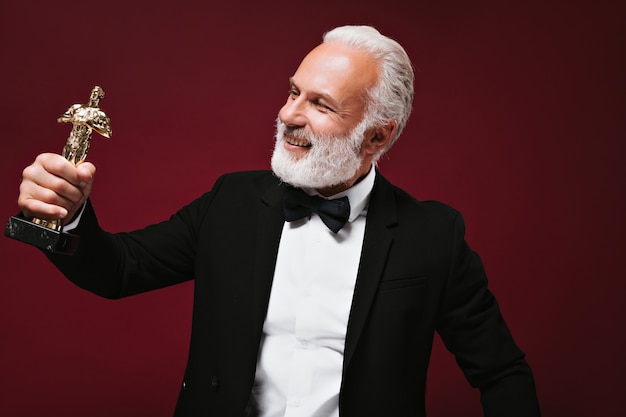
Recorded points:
(518, 122)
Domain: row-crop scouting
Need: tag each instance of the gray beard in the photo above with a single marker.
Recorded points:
(330, 161)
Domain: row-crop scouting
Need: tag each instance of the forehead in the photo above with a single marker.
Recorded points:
(339, 71)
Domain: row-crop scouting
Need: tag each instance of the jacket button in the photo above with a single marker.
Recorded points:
(215, 383)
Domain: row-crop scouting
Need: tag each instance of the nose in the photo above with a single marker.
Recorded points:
(292, 113)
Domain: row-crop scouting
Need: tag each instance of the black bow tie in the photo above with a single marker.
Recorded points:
(334, 213)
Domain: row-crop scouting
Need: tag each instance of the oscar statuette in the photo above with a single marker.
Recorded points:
(47, 234)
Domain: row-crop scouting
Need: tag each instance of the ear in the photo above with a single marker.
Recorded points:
(379, 137)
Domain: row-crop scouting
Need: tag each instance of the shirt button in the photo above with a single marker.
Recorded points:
(304, 344)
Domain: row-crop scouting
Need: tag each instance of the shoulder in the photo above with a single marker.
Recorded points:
(245, 187)
(244, 184)
(261, 174)
(233, 194)
(407, 207)
(264, 178)
(417, 227)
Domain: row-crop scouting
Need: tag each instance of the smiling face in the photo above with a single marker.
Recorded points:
(322, 141)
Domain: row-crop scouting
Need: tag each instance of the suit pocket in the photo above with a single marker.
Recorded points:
(397, 315)
(403, 283)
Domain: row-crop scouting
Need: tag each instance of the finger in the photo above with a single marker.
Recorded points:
(53, 189)
(58, 166)
(43, 194)
(31, 192)
(56, 173)
(35, 208)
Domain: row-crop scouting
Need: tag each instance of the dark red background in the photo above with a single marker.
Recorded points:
(518, 122)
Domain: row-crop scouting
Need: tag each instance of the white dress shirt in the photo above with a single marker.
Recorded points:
(300, 362)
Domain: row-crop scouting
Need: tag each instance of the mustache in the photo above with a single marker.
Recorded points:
(294, 131)
(297, 132)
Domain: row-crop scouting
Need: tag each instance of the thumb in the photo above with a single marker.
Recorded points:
(85, 173)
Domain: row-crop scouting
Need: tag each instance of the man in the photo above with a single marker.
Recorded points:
(322, 318)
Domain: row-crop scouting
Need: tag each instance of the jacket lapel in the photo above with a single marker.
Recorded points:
(381, 216)
(269, 229)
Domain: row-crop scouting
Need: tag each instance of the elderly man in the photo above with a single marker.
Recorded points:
(345, 278)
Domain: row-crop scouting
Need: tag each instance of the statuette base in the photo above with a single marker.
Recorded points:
(44, 238)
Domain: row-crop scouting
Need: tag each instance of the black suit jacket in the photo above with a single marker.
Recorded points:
(417, 275)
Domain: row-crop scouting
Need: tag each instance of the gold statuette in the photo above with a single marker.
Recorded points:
(47, 233)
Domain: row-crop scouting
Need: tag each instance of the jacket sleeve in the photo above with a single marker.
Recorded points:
(123, 264)
(472, 328)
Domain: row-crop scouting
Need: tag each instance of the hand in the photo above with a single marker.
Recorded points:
(53, 188)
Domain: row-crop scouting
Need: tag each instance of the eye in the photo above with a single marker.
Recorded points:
(321, 106)
(293, 93)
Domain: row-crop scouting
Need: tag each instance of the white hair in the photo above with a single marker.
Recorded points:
(392, 97)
